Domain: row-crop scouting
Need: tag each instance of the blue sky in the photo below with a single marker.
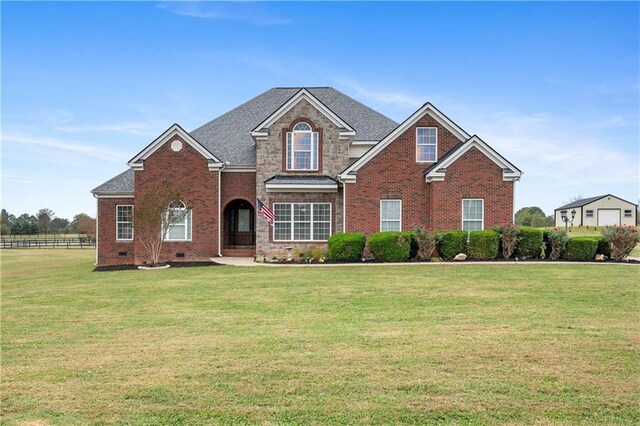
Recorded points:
(553, 86)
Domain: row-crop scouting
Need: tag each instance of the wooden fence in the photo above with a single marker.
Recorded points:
(47, 241)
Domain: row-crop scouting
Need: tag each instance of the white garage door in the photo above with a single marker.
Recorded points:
(608, 217)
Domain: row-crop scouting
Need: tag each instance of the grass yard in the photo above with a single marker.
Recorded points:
(434, 344)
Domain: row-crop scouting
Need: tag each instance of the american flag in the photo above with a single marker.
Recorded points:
(266, 213)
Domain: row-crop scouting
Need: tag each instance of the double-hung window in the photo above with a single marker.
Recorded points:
(627, 213)
(124, 222)
(302, 148)
(390, 215)
(426, 144)
(178, 222)
(302, 221)
(589, 213)
(472, 214)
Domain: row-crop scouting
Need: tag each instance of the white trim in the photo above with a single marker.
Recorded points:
(314, 148)
(438, 173)
(219, 213)
(427, 108)
(258, 131)
(344, 208)
(114, 195)
(470, 220)
(97, 225)
(231, 168)
(119, 222)
(513, 199)
(364, 142)
(273, 228)
(294, 187)
(175, 130)
(436, 145)
(387, 220)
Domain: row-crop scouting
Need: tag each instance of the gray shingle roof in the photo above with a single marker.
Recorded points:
(444, 157)
(121, 183)
(301, 180)
(228, 137)
(585, 201)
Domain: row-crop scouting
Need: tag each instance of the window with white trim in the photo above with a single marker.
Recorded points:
(178, 222)
(472, 214)
(627, 213)
(302, 221)
(302, 148)
(426, 144)
(124, 222)
(589, 213)
(390, 215)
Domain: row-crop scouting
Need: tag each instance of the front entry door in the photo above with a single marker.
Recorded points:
(239, 228)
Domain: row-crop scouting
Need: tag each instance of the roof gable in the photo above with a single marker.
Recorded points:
(303, 94)
(137, 162)
(437, 171)
(428, 108)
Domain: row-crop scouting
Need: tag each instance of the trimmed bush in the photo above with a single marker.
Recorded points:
(556, 243)
(427, 243)
(390, 246)
(346, 247)
(509, 235)
(581, 248)
(530, 243)
(452, 243)
(620, 240)
(483, 245)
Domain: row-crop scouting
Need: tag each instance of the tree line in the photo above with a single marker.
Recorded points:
(45, 221)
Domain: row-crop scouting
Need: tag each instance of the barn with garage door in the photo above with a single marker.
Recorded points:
(602, 210)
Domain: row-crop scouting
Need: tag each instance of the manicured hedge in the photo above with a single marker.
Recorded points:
(346, 247)
(452, 243)
(483, 245)
(390, 246)
(581, 248)
(530, 243)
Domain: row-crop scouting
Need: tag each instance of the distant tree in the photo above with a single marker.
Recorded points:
(152, 215)
(524, 216)
(6, 221)
(59, 225)
(45, 216)
(25, 224)
(84, 224)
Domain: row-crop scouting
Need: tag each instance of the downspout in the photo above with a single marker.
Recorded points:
(97, 224)
(220, 208)
(344, 204)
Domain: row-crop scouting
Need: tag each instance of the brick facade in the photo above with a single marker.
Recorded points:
(189, 171)
(110, 250)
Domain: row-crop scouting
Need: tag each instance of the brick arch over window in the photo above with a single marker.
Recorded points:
(314, 128)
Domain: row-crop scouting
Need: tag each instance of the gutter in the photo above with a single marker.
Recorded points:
(225, 164)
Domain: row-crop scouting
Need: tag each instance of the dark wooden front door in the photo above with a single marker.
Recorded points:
(239, 224)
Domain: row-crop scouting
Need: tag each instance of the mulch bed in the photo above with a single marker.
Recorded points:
(135, 267)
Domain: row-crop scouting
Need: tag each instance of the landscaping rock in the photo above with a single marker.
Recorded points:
(599, 257)
(460, 257)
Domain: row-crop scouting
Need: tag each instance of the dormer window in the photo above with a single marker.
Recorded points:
(302, 148)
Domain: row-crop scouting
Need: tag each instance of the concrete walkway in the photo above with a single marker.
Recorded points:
(248, 261)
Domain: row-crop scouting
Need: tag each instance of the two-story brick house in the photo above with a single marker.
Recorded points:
(322, 163)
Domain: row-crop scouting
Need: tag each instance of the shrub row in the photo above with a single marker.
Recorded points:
(505, 241)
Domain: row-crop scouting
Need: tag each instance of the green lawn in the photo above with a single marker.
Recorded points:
(433, 344)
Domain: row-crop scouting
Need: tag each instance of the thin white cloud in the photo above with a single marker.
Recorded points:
(64, 145)
(383, 97)
(249, 12)
(133, 128)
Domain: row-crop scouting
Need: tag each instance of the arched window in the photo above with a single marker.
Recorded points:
(302, 148)
(177, 222)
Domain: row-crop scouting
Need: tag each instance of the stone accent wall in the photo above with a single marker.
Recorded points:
(271, 160)
(109, 249)
(199, 186)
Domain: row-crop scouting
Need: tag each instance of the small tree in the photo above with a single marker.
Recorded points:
(45, 216)
(84, 224)
(154, 211)
(621, 239)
